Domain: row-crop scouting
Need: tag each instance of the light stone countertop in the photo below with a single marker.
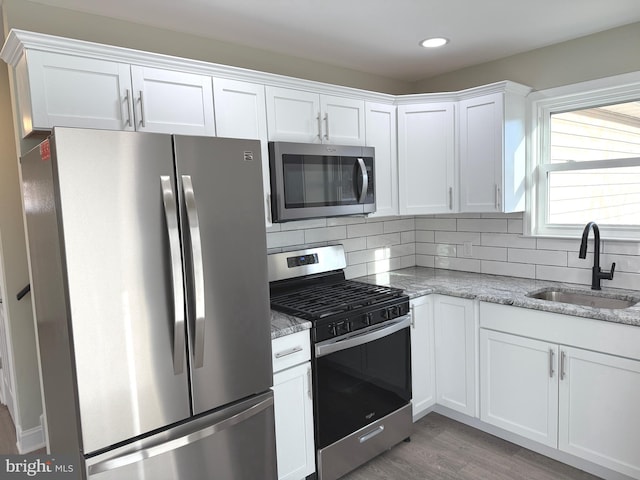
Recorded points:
(418, 281)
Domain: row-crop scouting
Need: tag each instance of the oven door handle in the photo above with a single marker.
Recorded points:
(379, 331)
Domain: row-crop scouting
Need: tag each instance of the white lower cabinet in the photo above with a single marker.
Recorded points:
(293, 406)
(519, 385)
(455, 348)
(578, 400)
(599, 409)
(423, 369)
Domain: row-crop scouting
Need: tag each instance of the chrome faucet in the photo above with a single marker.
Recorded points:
(596, 273)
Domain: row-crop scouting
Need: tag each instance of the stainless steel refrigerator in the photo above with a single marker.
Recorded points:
(148, 262)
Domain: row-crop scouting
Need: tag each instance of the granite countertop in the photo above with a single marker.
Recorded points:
(283, 324)
(418, 281)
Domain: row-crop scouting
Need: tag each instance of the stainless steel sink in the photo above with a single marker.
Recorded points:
(585, 298)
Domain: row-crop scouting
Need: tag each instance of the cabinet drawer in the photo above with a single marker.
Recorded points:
(290, 350)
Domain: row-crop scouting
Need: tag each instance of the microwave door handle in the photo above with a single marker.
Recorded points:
(365, 180)
(197, 269)
(171, 216)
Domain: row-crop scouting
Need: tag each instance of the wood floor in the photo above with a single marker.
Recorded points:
(443, 449)
(7, 433)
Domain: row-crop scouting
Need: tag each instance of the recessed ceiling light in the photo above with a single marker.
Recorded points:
(434, 42)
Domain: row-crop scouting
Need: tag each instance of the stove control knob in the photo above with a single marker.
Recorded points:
(333, 331)
(367, 319)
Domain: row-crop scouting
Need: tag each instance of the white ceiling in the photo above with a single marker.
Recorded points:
(377, 36)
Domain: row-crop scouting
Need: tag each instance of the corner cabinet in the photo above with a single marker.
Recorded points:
(569, 383)
(426, 158)
(308, 117)
(380, 120)
(67, 90)
(423, 362)
(293, 406)
(492, 151)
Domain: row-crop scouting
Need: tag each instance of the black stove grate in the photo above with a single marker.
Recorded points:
(320, 301)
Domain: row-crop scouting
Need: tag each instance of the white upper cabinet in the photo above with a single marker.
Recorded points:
(73, 91)
(426, 158)
(70, 91)
(381, 134)
(166, 101)
(492, 151)
(240, 113)
(307, 117)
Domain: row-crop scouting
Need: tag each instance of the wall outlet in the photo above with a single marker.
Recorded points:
(467, 249)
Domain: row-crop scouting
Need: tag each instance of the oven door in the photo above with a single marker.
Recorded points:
(361, 377)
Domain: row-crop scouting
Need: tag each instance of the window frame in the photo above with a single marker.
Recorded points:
(540, 106)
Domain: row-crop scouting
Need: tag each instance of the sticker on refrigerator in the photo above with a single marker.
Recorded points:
(45, 151)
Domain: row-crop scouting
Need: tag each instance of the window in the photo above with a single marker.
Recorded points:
(586, 161)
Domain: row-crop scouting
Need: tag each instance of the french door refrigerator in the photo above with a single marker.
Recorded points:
(148, 263)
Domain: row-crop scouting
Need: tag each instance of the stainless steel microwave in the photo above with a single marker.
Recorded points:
(317, 180)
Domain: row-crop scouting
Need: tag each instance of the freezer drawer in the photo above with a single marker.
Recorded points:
(236, 443)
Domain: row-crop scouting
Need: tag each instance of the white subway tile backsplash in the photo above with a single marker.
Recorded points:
(493, 225)
(375, 241)
(523, 270)
(462, 264)
(376, 245)
(507, 240)
(538, 257)
(448, 224)
(425, 236)
(458, 237)
(325, 234)
(365, 229)
(284, 239)
(399, 225)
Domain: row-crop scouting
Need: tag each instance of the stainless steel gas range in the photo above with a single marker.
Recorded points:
(361, 355)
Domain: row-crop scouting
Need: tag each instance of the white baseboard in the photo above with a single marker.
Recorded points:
(30, 440)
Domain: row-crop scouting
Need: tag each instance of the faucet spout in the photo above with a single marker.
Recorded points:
(597, 274)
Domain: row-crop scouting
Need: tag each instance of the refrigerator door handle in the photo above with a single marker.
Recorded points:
(168, 446)
(173, 233)
(197, 269)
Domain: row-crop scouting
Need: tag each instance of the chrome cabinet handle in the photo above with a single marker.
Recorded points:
(450, 198)
(129, 108)
(173, 233)
(563, 357)
(143, 115)
(155, 450)
(319, 126)
(365, 180)
(290, 351)
(197, 269)
(326, 123)
(551, 354)
(368, 436)
(309, 380)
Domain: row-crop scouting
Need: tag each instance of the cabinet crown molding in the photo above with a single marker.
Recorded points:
(18, 41)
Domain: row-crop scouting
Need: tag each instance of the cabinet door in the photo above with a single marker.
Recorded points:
(293, 115)
(480, 160)
(240, 112)
(426, 158)
(381, 134)
(519, 385)
(455, 345)
(70, 91)
(293, 408)
(342, 120)
(600, 410)
(423, 371)
(172, 102)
